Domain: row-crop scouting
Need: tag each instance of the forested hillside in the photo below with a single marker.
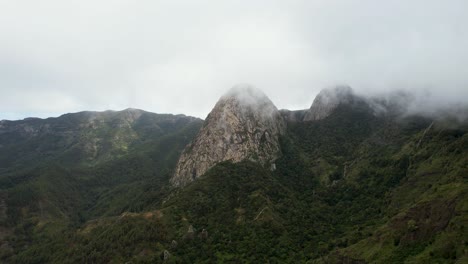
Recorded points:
(58, 173)
(354, 187)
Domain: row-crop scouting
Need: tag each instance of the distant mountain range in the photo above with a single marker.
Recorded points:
(350, 180)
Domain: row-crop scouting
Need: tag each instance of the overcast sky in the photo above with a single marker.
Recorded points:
(181, 56)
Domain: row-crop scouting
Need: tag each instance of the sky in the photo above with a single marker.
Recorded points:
(180, 56)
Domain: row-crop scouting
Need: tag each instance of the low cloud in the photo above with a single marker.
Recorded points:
(401, 103)
(181, 56)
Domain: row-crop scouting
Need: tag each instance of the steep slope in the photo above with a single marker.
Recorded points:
(427, 209)
(349, 188)
(55, 181)
(328, 100)
(352, 187)
(244, 124)
(293, 116)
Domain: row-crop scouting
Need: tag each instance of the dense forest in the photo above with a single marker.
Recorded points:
(352, 188)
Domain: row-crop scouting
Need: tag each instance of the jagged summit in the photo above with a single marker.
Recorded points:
(327, 100)
(244, 124)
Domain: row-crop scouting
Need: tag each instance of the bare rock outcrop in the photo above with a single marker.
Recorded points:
(244, 124)
(203, 235)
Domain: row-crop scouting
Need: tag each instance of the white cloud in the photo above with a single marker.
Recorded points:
(180, 56)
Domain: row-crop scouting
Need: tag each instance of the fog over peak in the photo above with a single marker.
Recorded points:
(406, 102)
(181, 56)
(246, 100)
(247, 94)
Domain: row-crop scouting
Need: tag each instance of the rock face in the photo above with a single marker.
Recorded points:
(166, 255)
(203, 235)
(244, 124)
(327, 101)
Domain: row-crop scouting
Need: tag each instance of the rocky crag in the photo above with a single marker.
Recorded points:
(244, 124)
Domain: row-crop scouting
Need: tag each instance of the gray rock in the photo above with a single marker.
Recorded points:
(166, 255)
(190, 233)
(203, 235)
(174, 244)
(273, 167)
(244, 124)
(191, 229)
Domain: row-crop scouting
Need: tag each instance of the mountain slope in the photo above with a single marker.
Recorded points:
(244, 124)
(57, 184)
(84, 138)
(367, 189)
(356, 186)
(327, 101)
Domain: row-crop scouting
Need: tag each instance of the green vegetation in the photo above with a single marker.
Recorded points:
(47, 198)
(352, 188)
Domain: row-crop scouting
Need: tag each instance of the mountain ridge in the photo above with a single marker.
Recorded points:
(356, 186)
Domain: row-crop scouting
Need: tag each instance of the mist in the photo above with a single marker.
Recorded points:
(404, 103)
(180, 57)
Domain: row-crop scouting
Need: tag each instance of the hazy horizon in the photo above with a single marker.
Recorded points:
(179, 57)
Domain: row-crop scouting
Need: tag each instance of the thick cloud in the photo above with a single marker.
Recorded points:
(181, 56)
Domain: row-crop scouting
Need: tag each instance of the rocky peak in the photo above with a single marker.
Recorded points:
(327, 101)
(244, 124)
